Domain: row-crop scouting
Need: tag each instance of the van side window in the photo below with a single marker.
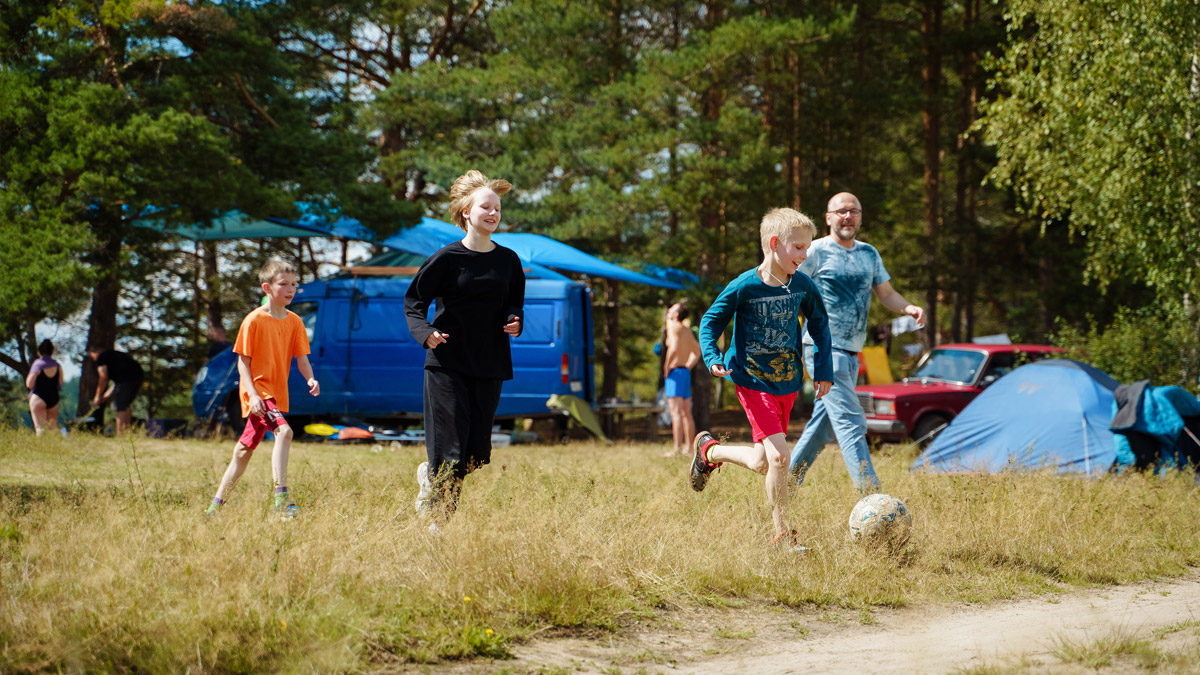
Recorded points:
(374, 320)
(540, 324)
(307, 311)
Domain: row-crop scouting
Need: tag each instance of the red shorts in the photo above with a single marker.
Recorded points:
(256, 427)
(768, 413)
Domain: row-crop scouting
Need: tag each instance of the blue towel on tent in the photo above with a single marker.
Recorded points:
(1157, 414)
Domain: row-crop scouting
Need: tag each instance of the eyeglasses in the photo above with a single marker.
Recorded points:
(847, 212)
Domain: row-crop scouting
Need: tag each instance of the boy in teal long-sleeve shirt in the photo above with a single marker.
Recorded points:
(764, 359)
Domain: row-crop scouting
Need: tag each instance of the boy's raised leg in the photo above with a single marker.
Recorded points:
(750, 457)
(702, 467)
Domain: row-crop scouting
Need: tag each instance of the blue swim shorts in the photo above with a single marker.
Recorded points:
(679, 383)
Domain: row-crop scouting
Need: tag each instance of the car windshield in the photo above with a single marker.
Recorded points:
(950, 365)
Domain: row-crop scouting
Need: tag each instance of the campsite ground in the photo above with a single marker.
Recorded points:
(576, 557)
(1144, 627)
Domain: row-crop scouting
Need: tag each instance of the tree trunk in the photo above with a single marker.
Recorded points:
(862, 143)
(391, 143)
(931, 72)
(971, 239)
(609, 355)
(29, 350)
(964, 192)
(1046, 288)
(795, 164)
(212, 284)
(102, 321)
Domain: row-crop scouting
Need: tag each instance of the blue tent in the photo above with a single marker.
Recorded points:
(1049, 414)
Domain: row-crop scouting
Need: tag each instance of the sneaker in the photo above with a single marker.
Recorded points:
(701, 467)
(212, 510)
(788, 540)
(288, 511)
(423, 495)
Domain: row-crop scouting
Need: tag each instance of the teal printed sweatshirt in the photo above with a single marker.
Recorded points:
(765, 354)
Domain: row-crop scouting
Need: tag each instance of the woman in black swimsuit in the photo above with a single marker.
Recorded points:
(45, 382)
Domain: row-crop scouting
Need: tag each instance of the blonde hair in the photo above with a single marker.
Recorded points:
(780, 223)
(273, 268)
(462, 193)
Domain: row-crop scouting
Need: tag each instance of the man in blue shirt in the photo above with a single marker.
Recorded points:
(846, 271)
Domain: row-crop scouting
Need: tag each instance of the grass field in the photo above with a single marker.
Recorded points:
(106, 563)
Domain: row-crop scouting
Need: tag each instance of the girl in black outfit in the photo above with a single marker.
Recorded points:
(44, 382)
(480, 292)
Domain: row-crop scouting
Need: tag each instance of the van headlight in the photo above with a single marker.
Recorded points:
(885, 406)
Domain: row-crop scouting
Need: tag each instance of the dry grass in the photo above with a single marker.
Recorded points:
(1120, 651)
(106, 563)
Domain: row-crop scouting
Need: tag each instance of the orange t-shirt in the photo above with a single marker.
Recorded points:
(270, 343)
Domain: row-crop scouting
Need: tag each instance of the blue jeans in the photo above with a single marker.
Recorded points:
(837, 414)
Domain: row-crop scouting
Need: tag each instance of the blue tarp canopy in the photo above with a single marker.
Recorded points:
(234, 225)
(343, 228)
(1050, 414)
(534, 249)
(542, 255)
(425, 237)
(312, 217)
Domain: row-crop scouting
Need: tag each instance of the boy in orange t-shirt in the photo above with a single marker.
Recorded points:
(268, 339)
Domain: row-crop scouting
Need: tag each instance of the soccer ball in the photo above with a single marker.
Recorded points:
(880, 519)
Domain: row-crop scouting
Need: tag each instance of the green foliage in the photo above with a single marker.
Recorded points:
(42, 277)
(1160, 344)
(111, 110)
(1095, 125)
(659, 132)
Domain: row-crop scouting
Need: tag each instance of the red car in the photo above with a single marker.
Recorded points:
(945, 381)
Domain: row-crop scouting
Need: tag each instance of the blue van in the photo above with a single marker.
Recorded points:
(370, 367)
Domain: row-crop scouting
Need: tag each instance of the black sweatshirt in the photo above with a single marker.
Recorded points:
(477, 294)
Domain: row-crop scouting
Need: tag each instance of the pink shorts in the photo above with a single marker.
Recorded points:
(768, 413)
(256, 427)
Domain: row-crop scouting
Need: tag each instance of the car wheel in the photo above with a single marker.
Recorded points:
(928, 428)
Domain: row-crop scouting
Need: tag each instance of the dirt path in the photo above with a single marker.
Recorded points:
(910, 640)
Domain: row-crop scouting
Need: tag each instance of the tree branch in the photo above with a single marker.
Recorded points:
(22, 368)
(370, 57)
(110, 56)
(445, 39)
(237, 78)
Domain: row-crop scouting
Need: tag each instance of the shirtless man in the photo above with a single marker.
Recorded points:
(683, 351)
